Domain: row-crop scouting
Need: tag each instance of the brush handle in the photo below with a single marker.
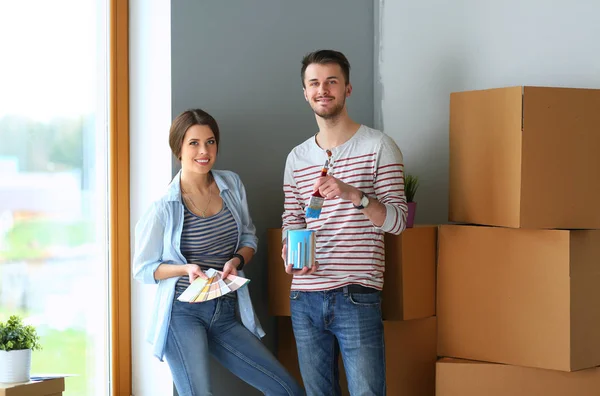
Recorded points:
(323, 174)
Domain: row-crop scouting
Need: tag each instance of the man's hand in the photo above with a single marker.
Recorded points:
(330, 187)
(194, 271)
(290, 270)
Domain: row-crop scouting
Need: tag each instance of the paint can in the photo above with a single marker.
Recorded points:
(301, 248)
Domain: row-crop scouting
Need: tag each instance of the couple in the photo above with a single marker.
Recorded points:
(203, 222)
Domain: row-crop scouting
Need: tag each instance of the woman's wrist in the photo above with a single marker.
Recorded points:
(187, 267)
(240, 260)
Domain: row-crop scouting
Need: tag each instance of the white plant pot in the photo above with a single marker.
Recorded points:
(15, 366)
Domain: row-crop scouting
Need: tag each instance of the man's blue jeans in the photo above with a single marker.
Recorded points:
(199, 329)
(354, 320)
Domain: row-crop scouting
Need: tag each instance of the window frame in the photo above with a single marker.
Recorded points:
(119, 235)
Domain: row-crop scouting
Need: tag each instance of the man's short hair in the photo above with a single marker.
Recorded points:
(323, 57)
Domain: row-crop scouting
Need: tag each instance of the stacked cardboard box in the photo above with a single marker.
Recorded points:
(47, 387)
(518, 287)
(408, 309)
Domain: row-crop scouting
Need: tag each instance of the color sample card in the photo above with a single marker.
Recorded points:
(206, 289)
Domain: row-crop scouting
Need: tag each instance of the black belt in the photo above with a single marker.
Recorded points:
(358, 289)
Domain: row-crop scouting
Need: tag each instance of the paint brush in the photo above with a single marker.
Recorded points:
(313, 210)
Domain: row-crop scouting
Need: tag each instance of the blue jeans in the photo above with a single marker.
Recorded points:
(354, 320)
(211, 327)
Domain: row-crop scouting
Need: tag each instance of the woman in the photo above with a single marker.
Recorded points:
(203, 222)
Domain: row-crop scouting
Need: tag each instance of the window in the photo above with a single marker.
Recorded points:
(60, 82)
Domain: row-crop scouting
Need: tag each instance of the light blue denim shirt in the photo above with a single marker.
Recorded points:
(157, 241)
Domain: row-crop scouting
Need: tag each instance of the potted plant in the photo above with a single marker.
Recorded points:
(411, 185)
(17, 340)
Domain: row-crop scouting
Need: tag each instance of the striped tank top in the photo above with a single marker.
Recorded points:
(208, 241)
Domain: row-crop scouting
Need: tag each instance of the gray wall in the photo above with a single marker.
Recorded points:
(428, 49)
(240, 61)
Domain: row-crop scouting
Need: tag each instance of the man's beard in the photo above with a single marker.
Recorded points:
(331, 113)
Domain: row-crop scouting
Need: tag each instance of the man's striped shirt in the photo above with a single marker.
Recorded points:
(349, 248)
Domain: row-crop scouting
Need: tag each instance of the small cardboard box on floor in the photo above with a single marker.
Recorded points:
(410, 354)
(525, 157)
(519, 296)
(409, 283)
(469, 378)
(49, 387)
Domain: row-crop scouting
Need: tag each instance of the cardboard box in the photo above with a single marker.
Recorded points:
(279, 281)
(410, 355)
(286, 347)
(50, 387)
(468, 378)
(409, 279)
(409, 283)
(525, 157)
(519, 296)
(410, 349)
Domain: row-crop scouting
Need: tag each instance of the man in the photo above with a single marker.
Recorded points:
(336, 305)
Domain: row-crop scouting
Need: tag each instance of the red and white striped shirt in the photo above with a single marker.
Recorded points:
(350, 249)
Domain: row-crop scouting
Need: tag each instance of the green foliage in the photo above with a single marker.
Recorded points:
(68, 351)
(31, 239)
(411, 185)
(14, 335)
(65, 351)
(66, 151)
(48, 146)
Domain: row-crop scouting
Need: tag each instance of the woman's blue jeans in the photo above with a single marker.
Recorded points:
(210, 328)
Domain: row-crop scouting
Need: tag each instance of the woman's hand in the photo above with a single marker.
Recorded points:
(194, 271)
(230, 268)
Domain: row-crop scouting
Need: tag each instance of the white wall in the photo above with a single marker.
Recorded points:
(150, 119)
(428, 49)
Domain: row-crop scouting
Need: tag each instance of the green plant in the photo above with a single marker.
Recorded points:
(411, 185)
(15, 335)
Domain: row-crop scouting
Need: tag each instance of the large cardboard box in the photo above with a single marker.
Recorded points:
(519, 296)
(410, 351)
(468, 378)
(525, 157)
(409, 279)
(409, 283)
(49, 387)
(279, 281)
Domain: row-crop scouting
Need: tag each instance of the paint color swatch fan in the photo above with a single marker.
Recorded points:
(215, 286)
